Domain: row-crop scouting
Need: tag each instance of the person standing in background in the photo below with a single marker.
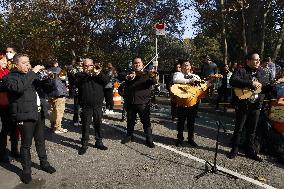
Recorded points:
(57, 98)
(111, 73)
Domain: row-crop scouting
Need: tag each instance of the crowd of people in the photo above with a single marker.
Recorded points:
(29, 95)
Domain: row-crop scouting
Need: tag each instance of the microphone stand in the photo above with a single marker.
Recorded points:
(213, 167)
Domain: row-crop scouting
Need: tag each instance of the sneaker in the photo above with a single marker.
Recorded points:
(60, 131)
(127, 139)
(192, 143)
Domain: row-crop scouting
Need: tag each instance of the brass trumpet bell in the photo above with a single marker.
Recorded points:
(45, 74)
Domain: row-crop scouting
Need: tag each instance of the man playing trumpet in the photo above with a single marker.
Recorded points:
(91, 83)
(26, 111)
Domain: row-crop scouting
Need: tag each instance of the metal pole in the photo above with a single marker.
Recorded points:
(156, 48)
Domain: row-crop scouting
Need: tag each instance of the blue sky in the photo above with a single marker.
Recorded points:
(189, 19)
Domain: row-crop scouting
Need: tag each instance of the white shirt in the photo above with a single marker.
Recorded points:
(180, 77)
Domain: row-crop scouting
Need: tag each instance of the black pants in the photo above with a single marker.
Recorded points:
(223, 93)
(173, 108)
(143, 111)
(30, 130)
(89, 113)
(76, 109)
(7, 127)
(247, 118)
(108, 98)
(189, 114)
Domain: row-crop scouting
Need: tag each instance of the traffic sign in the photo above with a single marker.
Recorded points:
(160, 28)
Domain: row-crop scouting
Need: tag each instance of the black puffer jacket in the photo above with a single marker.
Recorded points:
(242, 78)
(22, 98)
(90, 88)
(138, 90)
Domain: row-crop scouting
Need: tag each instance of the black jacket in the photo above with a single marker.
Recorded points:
(90, 88)
(243, 77)
(138, 90)
(22, 95)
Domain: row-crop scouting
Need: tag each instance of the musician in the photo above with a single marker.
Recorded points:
(91, 83)
(76, 68)
(247, 110)
(26, 111)
(137, 98)
(186, 113)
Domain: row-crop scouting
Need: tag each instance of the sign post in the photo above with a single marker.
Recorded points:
(160, 30)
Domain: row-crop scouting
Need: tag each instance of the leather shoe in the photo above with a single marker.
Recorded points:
(49, 169)
(100, 146)
(82, 150)
(254, 156)
(127, 139)
(15, 155)
(150, 144)
(232, 155)
(192, 143)
(179, 143)
(4, 159)
(26, 178)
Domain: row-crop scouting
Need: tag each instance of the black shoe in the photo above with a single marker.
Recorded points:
(192, 143)
(4, 159)
(150, 144)
(26, 178)
(254, 156)
(179, 143)
(127, 139)
(100, 146)
(232, 154)
(49, 169)
(15, 155)
(82, 150)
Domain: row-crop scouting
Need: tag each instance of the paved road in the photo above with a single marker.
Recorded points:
(136, 166)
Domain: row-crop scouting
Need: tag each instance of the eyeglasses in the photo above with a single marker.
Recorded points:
(88, 65)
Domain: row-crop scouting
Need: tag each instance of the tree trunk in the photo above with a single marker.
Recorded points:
(225, 56)
(244, 30)
(264, 29)
(279, 42)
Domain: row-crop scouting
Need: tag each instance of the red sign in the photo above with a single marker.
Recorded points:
(160, 26)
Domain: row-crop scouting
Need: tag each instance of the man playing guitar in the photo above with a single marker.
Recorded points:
(186, 112)
(253, 78)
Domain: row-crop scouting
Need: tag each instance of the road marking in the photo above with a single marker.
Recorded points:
(243, 177)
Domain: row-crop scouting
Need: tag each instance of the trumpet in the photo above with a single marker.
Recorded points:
(45, 74)
(96, 69)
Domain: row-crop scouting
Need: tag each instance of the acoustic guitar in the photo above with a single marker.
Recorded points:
(246, 93)
(187, 95)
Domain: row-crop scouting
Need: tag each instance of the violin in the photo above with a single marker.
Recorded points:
(146, 73)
